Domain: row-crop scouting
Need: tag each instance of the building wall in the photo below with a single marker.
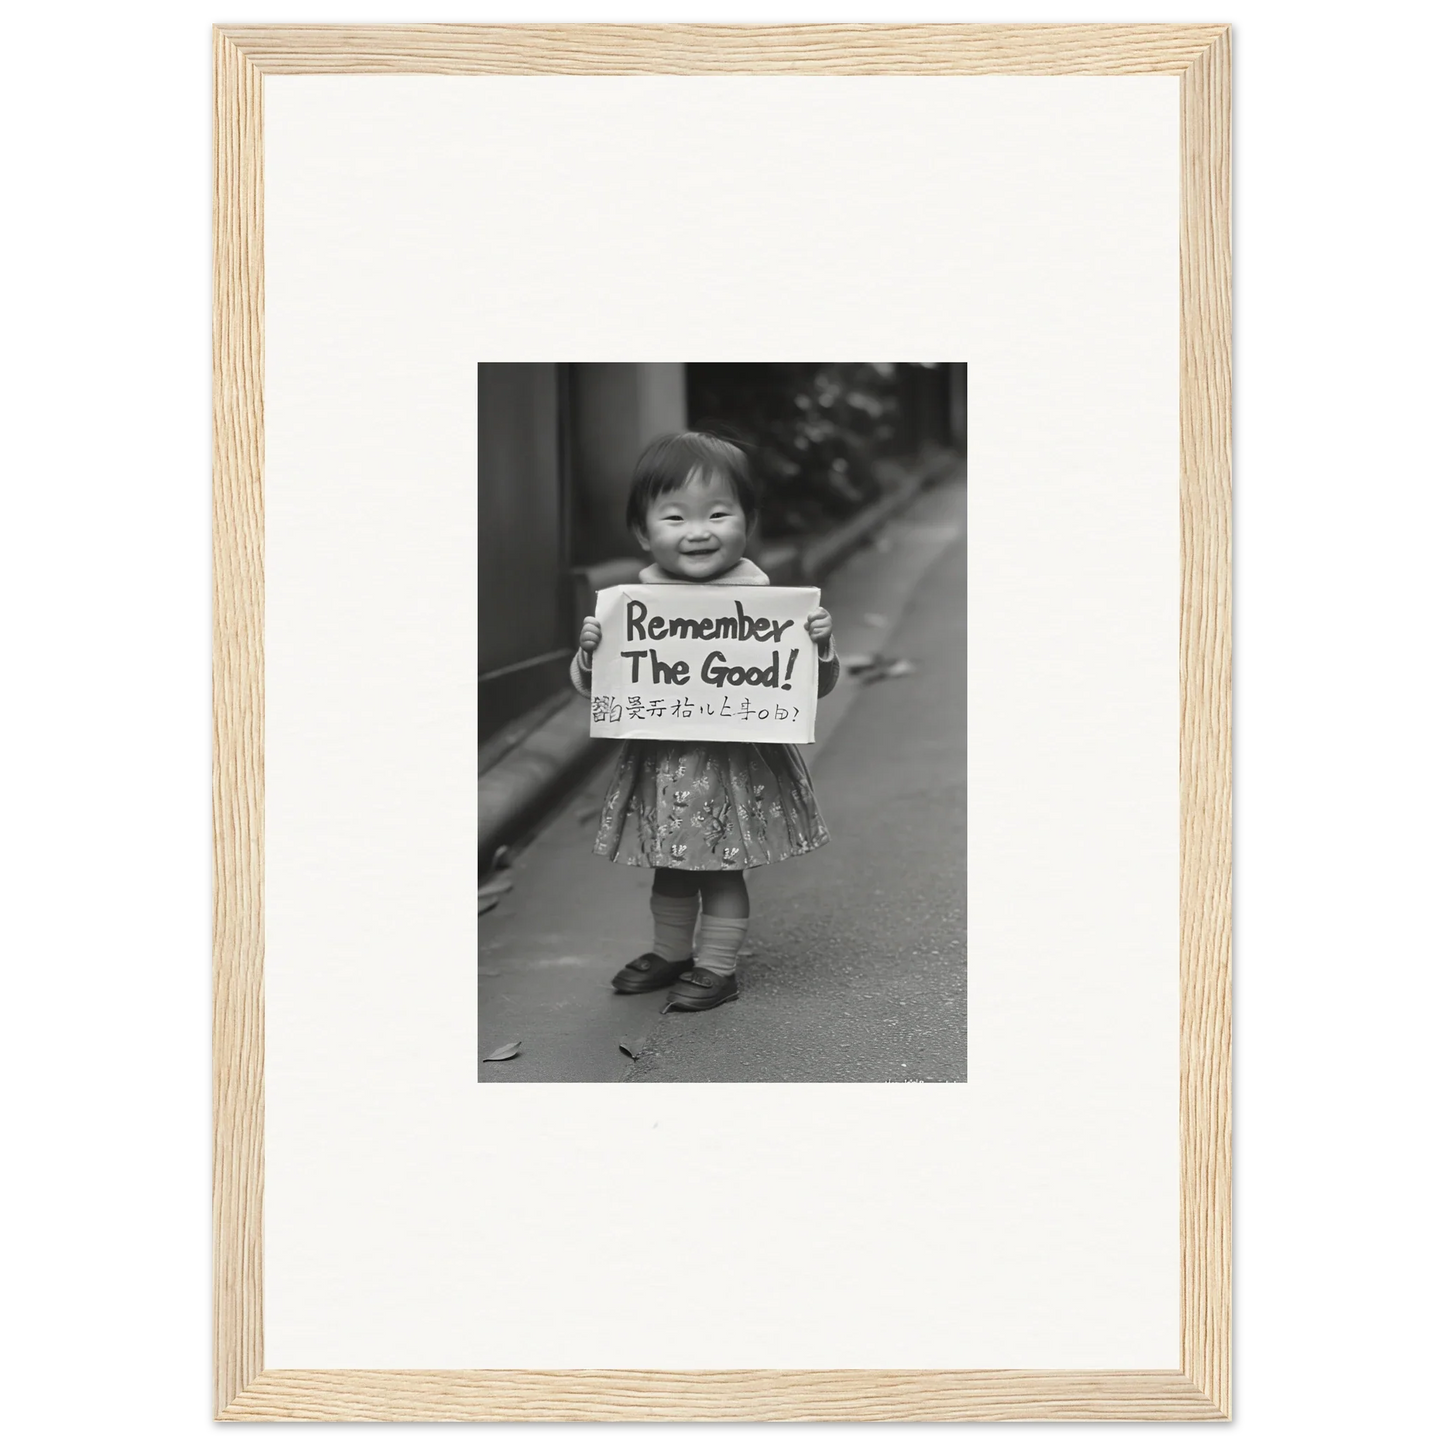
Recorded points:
(523, 604)
(958, 405)
(555, 450)
(616, 410)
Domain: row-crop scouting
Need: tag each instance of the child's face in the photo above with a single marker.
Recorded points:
(698, 531)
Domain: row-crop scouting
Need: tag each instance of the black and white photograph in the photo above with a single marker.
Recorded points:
(722, 722)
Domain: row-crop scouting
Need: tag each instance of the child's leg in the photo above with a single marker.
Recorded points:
(674, 906)
(724, 895)
(724, 922)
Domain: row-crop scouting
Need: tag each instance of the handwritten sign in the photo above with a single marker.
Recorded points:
(726, 664)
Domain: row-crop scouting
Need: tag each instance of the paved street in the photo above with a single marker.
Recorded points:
(854, 968)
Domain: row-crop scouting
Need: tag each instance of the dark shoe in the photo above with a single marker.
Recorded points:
(702, 988)
(648, 972)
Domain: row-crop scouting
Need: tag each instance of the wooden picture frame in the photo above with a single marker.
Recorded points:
(1199, 1388)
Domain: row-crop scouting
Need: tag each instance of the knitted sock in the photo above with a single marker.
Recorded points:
(673, 920)
(718, 941)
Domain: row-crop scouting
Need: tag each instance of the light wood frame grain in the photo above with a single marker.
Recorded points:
(1200, 1388)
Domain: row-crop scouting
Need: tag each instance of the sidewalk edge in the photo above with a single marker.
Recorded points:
(831, 550)
(517, 792)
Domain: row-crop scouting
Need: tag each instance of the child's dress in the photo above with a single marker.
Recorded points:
(710, 805)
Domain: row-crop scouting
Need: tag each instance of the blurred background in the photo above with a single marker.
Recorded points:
(831, 445)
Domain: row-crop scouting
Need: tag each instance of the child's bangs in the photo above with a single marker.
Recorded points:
(706, 472)
(669, 463)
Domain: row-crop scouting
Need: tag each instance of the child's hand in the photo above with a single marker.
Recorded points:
(820, 626)
(591, 636)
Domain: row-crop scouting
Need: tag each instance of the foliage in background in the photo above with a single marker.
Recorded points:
(813, 431)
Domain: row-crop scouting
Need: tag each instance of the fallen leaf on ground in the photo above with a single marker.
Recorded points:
(503, 857)
(485, 905)
(874, 667)
(633, 1049)
(507, 1051)
(493, 886)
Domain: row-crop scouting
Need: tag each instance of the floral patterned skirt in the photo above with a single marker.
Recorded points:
(709, 806)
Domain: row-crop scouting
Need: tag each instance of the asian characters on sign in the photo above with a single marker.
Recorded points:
(700, 662)
(609, 709)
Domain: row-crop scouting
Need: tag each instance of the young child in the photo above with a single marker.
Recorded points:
(701, 812)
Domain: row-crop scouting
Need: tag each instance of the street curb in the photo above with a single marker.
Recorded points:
(517, 791)
(514, 793)
(830, 551)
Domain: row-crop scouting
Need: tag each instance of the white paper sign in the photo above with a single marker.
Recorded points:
(729, 664)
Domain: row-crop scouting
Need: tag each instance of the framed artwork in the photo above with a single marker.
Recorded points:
(508, 333)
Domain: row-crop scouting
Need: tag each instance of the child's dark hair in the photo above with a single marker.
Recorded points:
(668, 461)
